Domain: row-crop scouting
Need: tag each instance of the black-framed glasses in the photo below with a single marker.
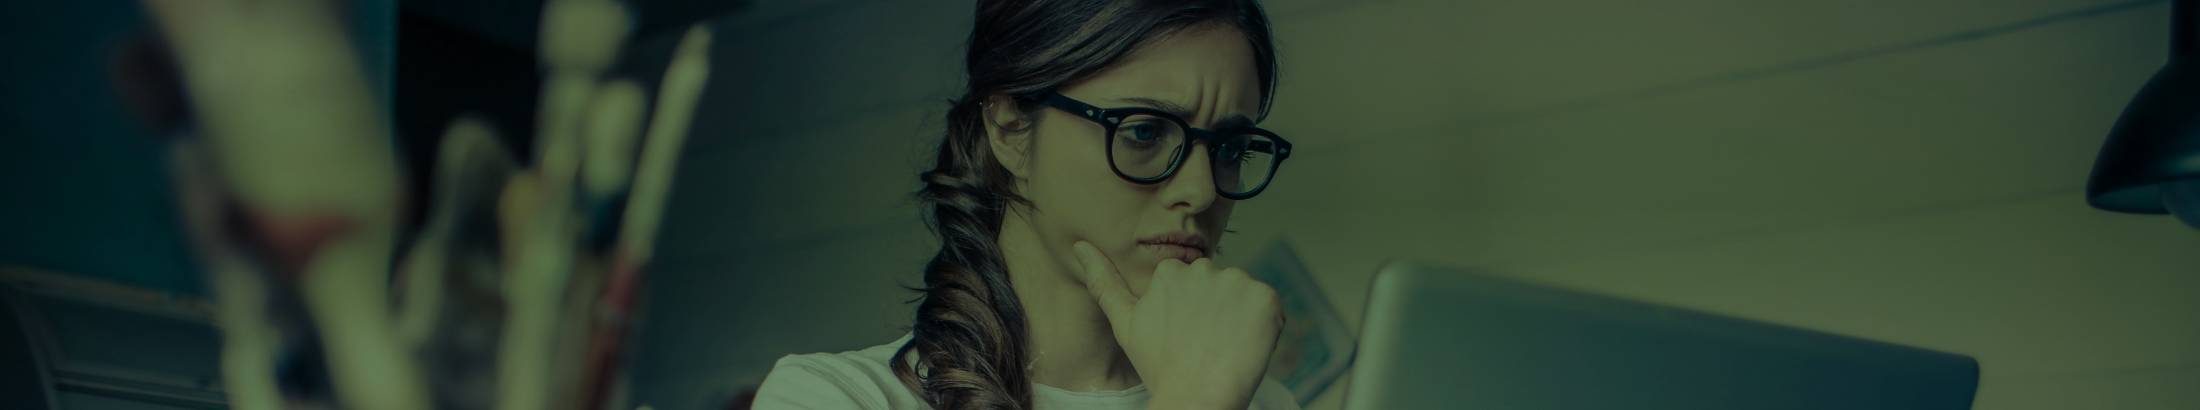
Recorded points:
(1155, 143)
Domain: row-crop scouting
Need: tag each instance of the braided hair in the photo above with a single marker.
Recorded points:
(968, 346)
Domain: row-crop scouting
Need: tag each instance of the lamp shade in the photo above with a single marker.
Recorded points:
(2151, 161)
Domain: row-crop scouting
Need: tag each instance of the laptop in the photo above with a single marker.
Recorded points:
(1437, 338)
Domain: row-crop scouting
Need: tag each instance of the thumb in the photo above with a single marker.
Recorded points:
(1106, 284)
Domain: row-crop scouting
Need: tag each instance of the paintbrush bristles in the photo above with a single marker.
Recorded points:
(582, 34)
(677, 95)
(614, 123)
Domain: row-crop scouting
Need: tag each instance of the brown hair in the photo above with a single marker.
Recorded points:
(968, 346)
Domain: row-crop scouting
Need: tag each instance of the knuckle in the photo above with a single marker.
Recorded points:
(1168, 265)
(1260, 296)
(1241, 278)
(1267, 295)
(1100, 289)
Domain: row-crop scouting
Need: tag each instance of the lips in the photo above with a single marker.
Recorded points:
(1183, 246)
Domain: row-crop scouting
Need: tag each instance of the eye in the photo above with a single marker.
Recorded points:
(1234, 153)
(1145, 132)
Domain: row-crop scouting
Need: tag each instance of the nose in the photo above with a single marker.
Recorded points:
(1193, 186)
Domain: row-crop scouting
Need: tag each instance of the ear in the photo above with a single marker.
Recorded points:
(1007, 131)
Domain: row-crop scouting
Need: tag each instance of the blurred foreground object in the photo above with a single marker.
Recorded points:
(519, 288)
(1315, 346)
(2151, 162)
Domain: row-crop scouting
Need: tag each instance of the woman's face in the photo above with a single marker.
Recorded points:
(1205, 75)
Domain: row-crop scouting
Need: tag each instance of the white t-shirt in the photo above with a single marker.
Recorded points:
(862, 379)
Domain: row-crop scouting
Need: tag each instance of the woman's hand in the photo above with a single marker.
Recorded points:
(1199, 336)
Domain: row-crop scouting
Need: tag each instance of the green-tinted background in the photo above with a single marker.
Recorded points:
(1902, 170)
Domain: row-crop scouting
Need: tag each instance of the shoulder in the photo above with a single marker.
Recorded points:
(1273, 396)
(856, 379)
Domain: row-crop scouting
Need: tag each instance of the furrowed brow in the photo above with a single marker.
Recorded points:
(1180, 111)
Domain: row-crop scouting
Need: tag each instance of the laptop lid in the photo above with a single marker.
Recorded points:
(1446, 338)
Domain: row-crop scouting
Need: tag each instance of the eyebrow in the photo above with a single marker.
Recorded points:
(1233, 122)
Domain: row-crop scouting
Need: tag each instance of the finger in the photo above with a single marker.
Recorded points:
(1165, 268)
(682, 86)
(1105, 283)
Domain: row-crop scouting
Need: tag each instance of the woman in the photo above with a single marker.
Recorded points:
(1087, 173)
